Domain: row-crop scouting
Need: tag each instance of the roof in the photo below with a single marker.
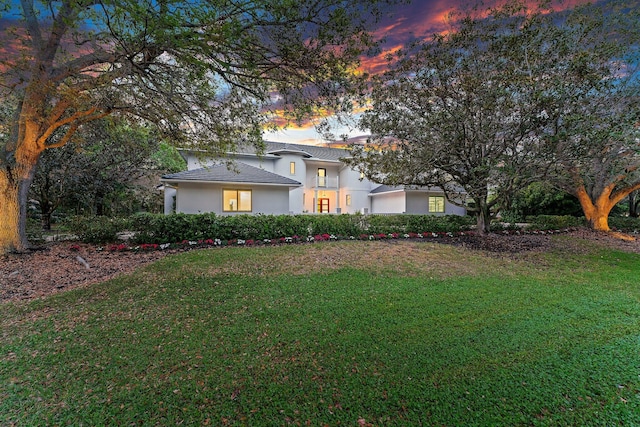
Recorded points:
(392, 188)
(243, 173)
(387, 189)
(308, 151)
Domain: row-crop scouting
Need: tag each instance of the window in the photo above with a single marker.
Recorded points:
(236, 200)
(292, 168)
(322, 177)
(348, 200)
(436, 204)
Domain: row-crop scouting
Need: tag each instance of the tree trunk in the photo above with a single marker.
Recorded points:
(14, 190)
(633, 204)
(596, 214)
(483, 217)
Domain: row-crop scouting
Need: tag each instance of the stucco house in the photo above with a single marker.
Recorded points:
(290, 179)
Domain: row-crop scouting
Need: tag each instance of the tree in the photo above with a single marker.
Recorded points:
(594, 77)
(205, 72)
(107, 156)
(460, 112)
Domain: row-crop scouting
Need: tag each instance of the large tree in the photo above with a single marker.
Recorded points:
(207, 72)
(460, 112)
(594, 75)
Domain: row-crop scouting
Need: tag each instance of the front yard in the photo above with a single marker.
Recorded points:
(342, 333)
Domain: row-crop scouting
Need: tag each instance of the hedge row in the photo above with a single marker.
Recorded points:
(158, 228)
(149, 228)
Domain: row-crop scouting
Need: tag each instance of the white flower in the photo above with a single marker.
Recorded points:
(165, 245)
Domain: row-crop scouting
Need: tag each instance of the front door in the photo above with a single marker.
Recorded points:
(323, 205)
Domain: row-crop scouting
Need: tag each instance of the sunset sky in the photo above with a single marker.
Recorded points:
(420, 19)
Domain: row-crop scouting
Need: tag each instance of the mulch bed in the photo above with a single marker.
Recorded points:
(57, 267)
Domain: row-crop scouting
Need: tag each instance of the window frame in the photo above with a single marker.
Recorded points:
(434, 201)
(225, 208)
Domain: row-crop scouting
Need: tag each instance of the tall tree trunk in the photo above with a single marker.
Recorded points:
(14, 190)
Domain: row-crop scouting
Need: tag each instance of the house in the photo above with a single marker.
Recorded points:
(291, 178)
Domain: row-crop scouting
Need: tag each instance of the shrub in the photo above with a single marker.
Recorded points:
(96, 229)
(157, 228)
(552, 222)
(628, 224)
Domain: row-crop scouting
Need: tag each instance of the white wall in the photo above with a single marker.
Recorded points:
(393, 202)
(201, 197)
(417, 202)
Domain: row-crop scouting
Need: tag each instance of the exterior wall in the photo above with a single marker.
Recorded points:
(417, 202)
(169, 199)
(201, 197)
(352, 185)
(262, 163)
(194, 162)
(341, 182)
(452, 209)
(282, 165)
(197, 198)
(393, 202)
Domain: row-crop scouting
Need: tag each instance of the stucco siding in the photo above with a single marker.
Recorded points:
(388, 203)
(196, 198)
(417, 203)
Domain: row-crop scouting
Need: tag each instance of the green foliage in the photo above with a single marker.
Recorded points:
(223, 337)
(623, 223)
(156, 228)
(95, 229)
(554, 222)
(540, 198)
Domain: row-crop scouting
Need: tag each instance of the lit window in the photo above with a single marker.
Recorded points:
(436, 204)
(236, 200)
(348, 201)
(361, 175)
(292, 168)
(322, 177)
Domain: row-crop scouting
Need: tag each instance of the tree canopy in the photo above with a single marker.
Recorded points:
(508, 97)
(208, 73)
(460, 112)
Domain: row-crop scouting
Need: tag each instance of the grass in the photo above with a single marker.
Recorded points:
(349, 333)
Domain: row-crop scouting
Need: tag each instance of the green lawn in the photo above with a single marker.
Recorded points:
(411, 333)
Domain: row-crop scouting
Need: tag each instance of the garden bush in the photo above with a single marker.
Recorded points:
(96, 229)
(628, 224)
(553, 222)
(157, 228)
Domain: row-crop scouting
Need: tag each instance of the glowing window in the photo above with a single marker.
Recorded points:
(436, 204)
(292, 168)
(236, 200)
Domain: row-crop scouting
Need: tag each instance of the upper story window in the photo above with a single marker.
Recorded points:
(322, 177)
(436, 204)
(292, 168)
(348, 200)
(236, 200)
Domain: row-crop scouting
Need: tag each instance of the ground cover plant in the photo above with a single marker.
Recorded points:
(344, 333)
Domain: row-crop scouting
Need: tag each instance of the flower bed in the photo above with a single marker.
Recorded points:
(214, 242)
